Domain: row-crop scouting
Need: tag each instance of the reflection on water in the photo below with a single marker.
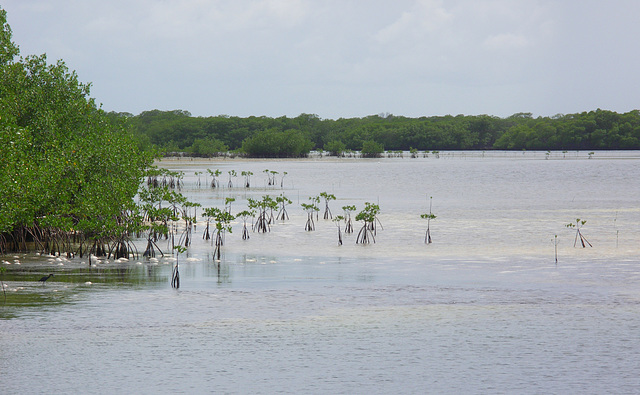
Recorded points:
(484, 309)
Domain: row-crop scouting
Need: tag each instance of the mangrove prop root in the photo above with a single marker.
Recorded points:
(175, 277)
(365, 236)
(309, 226)
(245, 232)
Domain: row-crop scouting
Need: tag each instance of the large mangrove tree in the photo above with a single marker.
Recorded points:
(68, 171)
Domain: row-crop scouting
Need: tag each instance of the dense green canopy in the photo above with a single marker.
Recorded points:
(593, 130)
(64, 163)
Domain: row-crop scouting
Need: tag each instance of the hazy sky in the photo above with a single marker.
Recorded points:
(342, 58)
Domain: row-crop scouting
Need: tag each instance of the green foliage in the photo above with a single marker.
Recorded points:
(349, 209)
(335, 147)
(327, 196)
(309, 207)
(371, 149)
(368, 213)
(599, 129)
(244, 214)
(578, 224)
(222, 218)
(368, 216)
(64, 162)
(273, 143)
(208, 147)
(8, 50)
(579, 236)
(264, 219)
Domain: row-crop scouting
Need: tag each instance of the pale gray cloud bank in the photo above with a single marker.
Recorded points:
(342, 58)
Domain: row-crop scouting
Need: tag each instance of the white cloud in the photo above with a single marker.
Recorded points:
(339, 57)
(425, 17)
(505, 41)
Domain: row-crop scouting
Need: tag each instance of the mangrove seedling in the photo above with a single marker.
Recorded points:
(266, 173)
(232, 174)
(310, 208)
(206, 235)
(348, 228)
(428, 217)
(273, 177)
(368, 217)
(175, 275)
(222, 219)
(578, 225)
(327, 198)
(284, 173)
(337, 220)
(283, 201)
(154, 229)
(245, 215)
(373, 226)
(247, 178)
(214, 177)
(189, 220)
(316, 203)
(263, 219)
(198, 183)
(172, 179)
(227, 204)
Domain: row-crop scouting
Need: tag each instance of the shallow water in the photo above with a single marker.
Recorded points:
(483, 309)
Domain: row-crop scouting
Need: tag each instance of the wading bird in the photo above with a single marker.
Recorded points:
(45, 278)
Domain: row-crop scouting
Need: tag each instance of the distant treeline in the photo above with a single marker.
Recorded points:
(172, 131)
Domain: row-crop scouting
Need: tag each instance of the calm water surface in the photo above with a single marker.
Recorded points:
(484, 309)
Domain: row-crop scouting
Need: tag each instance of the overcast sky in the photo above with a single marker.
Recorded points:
(342, 58)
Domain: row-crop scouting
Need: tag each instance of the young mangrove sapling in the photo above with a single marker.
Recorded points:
(273, 177)
(368, 217)
(348, 228)
(428, 217)
(316, 204)
(283, 201)
(245, 215)
(310, 208)
(247, 178)
(327, 198)
(227, 204)
(337, 220)
(578, 225)
(263, 220)
(223, 220)
(214, 177)
(175, 275)
(232, 174)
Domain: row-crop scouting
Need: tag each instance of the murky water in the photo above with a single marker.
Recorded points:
(483, 309)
